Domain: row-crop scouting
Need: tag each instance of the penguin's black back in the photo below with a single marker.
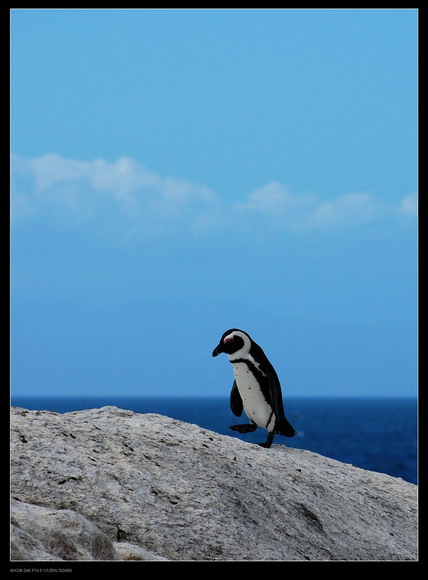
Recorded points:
(271, 388)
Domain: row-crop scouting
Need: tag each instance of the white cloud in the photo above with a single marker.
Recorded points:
(125, 180)
(127, 199)
(346, 210)
(125, 193)
(276, 199)
(276, 205)
(408, 205)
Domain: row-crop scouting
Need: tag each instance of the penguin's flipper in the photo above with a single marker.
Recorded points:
(236, 401)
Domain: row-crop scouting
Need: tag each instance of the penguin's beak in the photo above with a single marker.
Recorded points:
(218, 349)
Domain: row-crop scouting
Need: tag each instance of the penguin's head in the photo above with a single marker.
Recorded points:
(232, 341)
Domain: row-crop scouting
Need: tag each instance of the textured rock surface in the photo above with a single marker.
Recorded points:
(41, 533)
(157, 488)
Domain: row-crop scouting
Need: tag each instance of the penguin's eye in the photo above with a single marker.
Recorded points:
(229, 339)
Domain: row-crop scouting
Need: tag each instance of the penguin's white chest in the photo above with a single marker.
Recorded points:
(255, 405)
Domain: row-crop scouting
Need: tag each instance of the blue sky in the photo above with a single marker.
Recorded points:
(176, 173)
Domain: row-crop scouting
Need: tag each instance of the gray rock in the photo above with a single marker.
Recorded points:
(132, 552)
(180, 492)
(40, 533)
(24, 546)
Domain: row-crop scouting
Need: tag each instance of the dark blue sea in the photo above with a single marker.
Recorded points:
(376, 434)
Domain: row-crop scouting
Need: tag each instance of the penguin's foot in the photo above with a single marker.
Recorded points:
(247, 428)
(268, 441)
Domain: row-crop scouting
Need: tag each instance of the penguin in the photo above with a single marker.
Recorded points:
(256, 388)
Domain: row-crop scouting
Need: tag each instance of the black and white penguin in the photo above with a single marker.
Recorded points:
(256, 388)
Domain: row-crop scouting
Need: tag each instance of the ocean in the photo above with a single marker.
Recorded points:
(379, 434)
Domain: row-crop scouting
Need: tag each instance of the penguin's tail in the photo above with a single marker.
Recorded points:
(284, 428)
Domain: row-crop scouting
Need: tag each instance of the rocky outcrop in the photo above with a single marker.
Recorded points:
(40, 533)
(112, 484)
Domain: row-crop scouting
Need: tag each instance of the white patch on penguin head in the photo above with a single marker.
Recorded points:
(244, 350)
